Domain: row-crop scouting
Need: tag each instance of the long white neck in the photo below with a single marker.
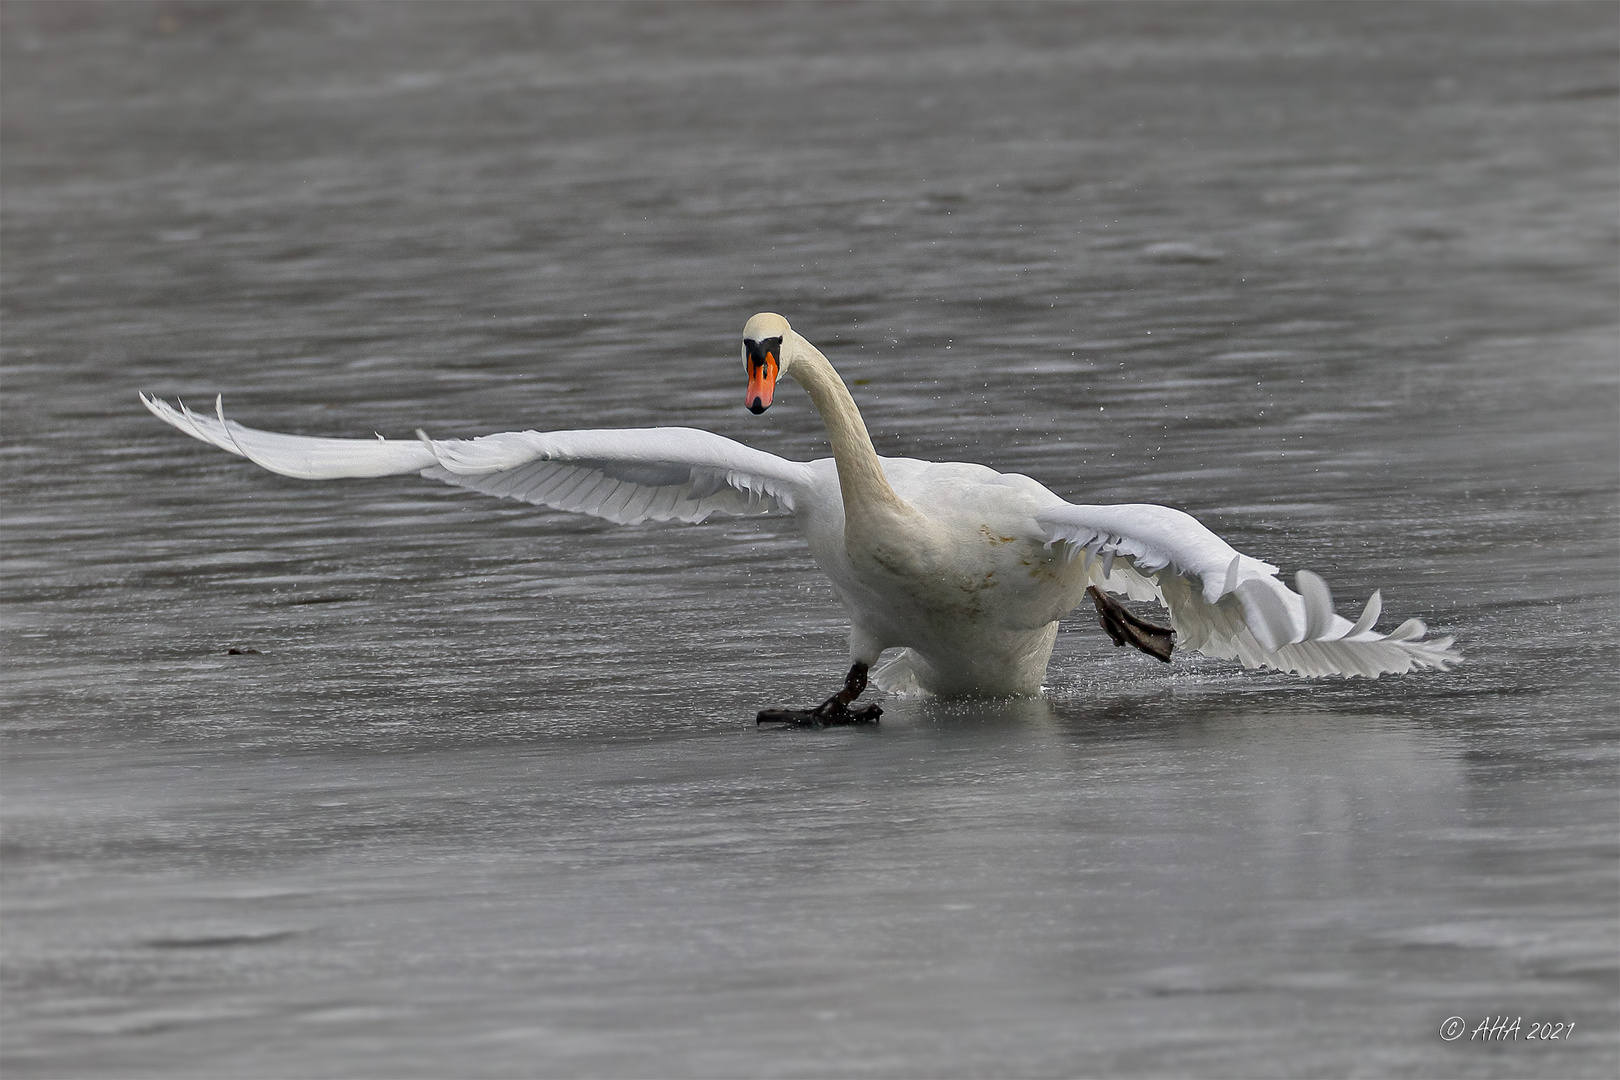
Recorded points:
(865, 489)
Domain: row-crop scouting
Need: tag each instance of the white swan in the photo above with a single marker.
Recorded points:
(964, 569)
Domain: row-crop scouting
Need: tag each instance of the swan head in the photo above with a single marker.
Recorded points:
(764, 355)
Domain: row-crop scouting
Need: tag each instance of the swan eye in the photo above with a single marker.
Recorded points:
(762, 353)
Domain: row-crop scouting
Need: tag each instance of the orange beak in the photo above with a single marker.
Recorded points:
(762, 367)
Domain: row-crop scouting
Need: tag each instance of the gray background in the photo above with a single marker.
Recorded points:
(488, 801)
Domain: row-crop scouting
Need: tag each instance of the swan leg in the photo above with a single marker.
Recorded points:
(1127, 629)
(854, 686)
(835, 710)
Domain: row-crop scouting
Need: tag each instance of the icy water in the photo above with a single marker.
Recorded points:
(488, 800)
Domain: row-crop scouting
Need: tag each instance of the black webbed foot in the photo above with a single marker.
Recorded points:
(833, 712)
(1127, 629)
(815, 718)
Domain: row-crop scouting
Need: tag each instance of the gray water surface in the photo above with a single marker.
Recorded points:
(486, 799)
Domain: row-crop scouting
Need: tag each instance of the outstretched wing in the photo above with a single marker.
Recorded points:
(1223, 603)
(624, 475)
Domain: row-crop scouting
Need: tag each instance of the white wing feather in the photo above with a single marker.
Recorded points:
(626, 475)
(1223, 603)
